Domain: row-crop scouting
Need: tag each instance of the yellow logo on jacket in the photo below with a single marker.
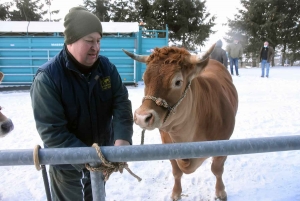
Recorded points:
(105, 83)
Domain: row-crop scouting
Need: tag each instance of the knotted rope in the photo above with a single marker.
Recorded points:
(107, 168)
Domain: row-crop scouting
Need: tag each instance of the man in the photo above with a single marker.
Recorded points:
(266, 56)
(78, 99)
(235, 52)
(219, 54)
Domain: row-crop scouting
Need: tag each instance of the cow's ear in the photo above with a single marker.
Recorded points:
(198, 68)
(201, 66)
(202, 60)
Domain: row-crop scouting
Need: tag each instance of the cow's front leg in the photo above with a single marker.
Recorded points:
(177, 173)
(217, 167)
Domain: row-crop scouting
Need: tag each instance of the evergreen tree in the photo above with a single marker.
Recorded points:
(51, 12)
(123, 11)
(161, 14)
(28, 10)
(275, 21)
(100, 8)
(4, 13)
(188, 21)
(144, 13)
(290, 34)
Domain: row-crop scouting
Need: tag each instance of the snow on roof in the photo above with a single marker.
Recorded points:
(53, 27)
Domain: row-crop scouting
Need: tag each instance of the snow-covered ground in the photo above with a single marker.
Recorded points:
(267, 107)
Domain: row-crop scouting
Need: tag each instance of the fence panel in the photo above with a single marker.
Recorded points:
(84, 155)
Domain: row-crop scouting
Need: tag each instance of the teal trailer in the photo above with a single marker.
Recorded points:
(25, 46)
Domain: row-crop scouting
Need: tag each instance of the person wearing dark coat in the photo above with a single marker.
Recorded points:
(78, 99)
(266, 55)
(219, 54)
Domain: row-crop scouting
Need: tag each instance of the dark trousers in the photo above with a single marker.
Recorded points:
(235, 62)
(70, 185)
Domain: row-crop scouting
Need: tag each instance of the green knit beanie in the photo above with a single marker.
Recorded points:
(79, 22)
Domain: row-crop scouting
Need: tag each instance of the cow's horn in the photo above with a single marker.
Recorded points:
(140, 58)
(1, 76)
(195, 59)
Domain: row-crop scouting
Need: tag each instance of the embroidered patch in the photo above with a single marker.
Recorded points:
(105, 83)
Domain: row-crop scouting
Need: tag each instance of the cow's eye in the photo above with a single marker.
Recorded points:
(178, 83)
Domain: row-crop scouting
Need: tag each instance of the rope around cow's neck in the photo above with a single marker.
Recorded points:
(161, 102)
(143, 136)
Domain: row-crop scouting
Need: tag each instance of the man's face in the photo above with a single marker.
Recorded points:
(266, 43)
(86, 49)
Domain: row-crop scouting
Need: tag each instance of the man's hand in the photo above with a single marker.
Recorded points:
(121, 143)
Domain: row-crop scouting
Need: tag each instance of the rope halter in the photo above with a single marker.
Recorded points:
(163, 103)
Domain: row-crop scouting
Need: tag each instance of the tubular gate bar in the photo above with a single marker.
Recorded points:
(82, 155)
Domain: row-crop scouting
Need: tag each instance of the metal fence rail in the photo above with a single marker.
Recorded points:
(84, 155)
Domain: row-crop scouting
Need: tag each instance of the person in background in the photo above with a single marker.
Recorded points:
(219, 54)
(78, 99)
(266, 56)
(235, 51)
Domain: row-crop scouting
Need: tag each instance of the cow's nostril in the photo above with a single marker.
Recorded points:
(7, 126)
(144, 119)
(148, 118)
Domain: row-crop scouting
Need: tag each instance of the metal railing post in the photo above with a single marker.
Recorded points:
(97, 182)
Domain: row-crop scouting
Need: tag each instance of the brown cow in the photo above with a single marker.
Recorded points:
(6, 124)
(189, 99)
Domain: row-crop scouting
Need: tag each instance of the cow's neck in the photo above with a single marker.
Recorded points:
(180, 126)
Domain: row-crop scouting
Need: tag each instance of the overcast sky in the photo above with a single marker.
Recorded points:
(222, 10)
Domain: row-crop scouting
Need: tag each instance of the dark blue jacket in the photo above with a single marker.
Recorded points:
(71, 111)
